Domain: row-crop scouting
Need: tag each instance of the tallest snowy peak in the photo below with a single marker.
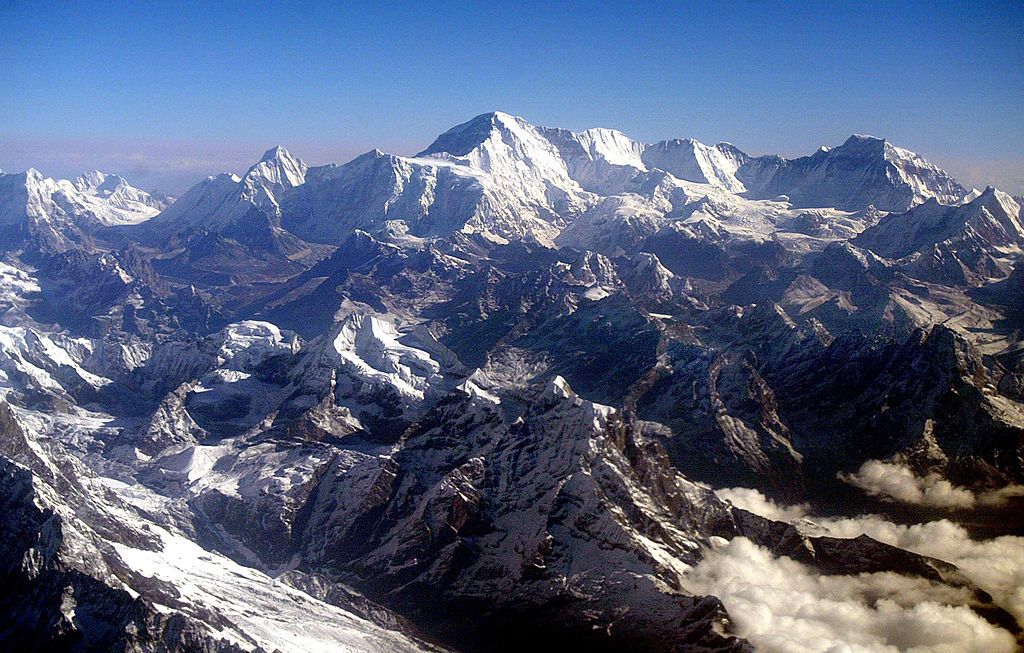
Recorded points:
(862, 145)
(515, 153)
(863, 138)
(277, 153)
(278, 169)
(466, 137)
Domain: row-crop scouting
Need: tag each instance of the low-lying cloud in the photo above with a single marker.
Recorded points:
(895, 482)
(782, 606)
(996, 565)
(753, 501)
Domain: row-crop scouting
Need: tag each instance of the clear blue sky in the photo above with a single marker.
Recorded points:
(168, 92)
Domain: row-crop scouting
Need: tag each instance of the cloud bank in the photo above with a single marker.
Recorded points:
(896, 482)
(995, 565)
(782, 606)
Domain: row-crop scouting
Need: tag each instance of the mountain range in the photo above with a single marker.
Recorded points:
(490, 396)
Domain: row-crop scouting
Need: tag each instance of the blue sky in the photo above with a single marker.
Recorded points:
(166, 93)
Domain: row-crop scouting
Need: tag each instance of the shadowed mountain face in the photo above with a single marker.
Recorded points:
(478, 398)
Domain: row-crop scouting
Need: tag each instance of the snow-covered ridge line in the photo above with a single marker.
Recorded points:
(502, 177)
(92, 199)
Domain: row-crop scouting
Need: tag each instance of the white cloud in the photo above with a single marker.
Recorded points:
(782, 606)
(755, 502)
(995, 565)
(897, 482)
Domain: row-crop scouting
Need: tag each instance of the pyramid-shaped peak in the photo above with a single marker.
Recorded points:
(996, 201)
(557, 389)
(278, 168)
(375, 153)
(500, 117)
(462, 139)
(277, 153)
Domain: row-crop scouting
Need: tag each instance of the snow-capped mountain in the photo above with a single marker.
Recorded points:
(381, 379)
(602, 161)
(993, 217)
(380, 192)
(229, 227)
(56, 212)
(220, 202)
(478, 399)
(502, 177)
(691, 160)
(862, 171)
(495, 175)
(90, 561)
(963, 244)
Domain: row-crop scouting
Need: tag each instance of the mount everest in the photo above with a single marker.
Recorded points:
(480, 398)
